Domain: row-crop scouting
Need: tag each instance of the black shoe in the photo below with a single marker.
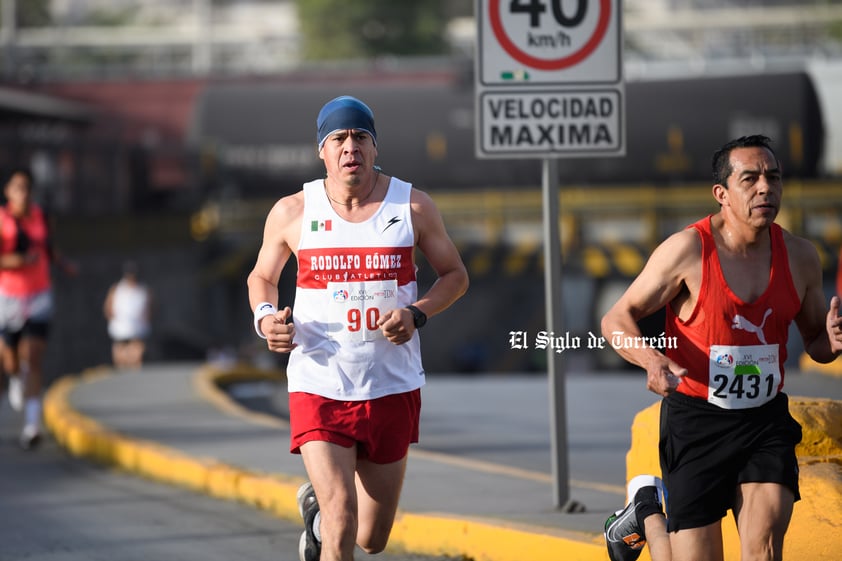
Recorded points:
(309, 548)
(624, 529)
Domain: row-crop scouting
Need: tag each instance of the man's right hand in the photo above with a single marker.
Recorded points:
(279, 333)
(663, 376)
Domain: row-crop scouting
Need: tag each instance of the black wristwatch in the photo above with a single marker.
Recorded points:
(419, 318)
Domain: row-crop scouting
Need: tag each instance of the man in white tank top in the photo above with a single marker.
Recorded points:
(355, 368)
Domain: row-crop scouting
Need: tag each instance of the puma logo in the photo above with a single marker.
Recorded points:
(742, 323)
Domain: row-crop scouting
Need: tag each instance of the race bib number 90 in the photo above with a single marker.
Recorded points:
(743, 376)
(356, 307)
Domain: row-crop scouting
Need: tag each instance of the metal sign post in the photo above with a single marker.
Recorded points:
(553, 307)
(549, 84)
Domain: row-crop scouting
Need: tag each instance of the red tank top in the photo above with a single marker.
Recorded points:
(734, 350)
(33, 277)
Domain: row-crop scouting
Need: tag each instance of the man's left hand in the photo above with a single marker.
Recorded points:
(834, 326)
(397, 325)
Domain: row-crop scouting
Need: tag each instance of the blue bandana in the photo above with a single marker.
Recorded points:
(344, 113)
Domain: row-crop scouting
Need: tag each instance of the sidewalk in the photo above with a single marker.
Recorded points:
(171, 423)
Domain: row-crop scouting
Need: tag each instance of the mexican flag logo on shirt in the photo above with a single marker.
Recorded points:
(320, 226)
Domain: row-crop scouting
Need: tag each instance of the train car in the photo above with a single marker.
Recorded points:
(261, 136)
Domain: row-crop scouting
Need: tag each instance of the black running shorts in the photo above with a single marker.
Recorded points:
(706, 451)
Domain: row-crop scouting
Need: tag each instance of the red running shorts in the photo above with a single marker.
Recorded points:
(382, 429)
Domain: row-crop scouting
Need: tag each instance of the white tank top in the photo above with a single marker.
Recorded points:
(129, 312)
(348, 275)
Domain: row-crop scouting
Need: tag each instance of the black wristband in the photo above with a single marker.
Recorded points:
(419, 318)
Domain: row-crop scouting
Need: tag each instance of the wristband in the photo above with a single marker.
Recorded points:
(419, 318)
(261, 311)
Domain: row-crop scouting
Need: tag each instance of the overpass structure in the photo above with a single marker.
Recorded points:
(194, 37)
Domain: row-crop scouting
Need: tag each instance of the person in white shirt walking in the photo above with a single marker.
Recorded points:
(128, 309)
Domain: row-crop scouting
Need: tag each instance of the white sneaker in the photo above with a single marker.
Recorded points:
(16, 393)
(30, 437)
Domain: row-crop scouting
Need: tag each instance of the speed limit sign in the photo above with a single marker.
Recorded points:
(549, 42)
(549, 78)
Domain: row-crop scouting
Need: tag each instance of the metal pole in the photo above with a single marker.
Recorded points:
(203, 41)
(555, 367)
(8, 35)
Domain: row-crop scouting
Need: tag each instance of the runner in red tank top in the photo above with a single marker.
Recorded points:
(734, 350)
(25, 299)
(731, 284)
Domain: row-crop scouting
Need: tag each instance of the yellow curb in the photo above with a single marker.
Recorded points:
(209, 379)
(434, 534)
(808, 365)
(84, 437)
(490, 541)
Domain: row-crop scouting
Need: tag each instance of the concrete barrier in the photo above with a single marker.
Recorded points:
(815, 532)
